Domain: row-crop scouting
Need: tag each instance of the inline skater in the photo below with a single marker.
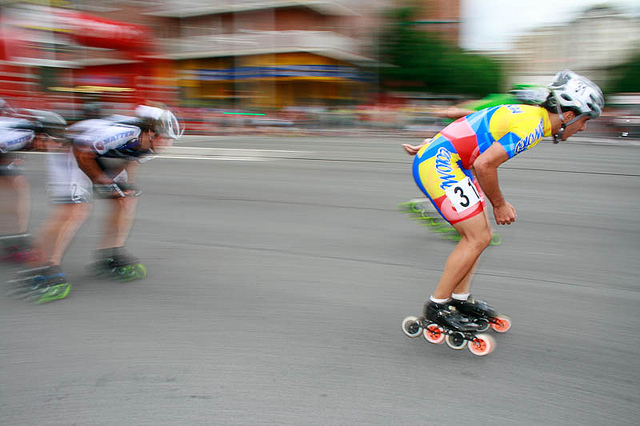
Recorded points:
(519, 94)
(101, 160)
(109, 153)
(458, 167)
(21, 131)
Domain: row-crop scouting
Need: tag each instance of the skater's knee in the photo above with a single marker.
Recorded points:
(126, 204)
(478, 241)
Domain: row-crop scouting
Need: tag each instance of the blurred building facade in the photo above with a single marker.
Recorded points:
(269, 53)
(593, 44)
(231, 53)
(61, 53)
(440, 17)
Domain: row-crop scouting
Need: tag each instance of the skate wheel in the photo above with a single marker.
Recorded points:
(501, 324)
(433, 333)
(139, 271)
(496, 239)
(411, 327)
(482, 344)
(455, 341)
(483, 325)
(133, 272)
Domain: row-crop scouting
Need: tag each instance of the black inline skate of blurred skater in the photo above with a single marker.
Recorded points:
(117, 263)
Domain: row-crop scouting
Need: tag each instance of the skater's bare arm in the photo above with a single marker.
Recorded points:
(413, 149)
(132, 169)
(486, 170)
(452, 113)
(87, 161)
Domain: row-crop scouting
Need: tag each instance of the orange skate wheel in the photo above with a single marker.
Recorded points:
(501, 324)
(433, 333)
(482, 345)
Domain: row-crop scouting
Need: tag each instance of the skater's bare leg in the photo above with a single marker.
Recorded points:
(475, 237)
(16, 217)
(61, 228)
(464, 286)
(119, 222)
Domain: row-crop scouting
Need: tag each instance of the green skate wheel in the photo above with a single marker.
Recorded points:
(55, 292)
(452, 237)
(444, 229)
(406, 207)
(132, 272)
(140, 271)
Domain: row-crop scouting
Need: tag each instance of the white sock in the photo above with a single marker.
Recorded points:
(460, 296)
(433, 299)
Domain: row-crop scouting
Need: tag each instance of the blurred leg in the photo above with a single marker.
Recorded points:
(62, 228)
(119, 222)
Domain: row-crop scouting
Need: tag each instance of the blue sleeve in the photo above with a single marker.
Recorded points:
(509, 142)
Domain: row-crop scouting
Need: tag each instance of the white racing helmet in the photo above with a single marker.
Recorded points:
(5, 108)
(46, 122)
(571, 91)
(163, 122)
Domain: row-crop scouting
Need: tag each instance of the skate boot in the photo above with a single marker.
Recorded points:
(484, 315)
(39, 285)
(442, 323)
(118, 264)
(19, 248)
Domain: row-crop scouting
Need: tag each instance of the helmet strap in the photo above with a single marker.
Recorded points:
(558, 136)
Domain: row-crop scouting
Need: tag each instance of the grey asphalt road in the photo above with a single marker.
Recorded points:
(279, 271)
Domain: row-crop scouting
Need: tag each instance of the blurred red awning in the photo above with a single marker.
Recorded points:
(93, 31)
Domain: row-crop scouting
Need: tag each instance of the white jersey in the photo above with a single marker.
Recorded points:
(108, 138)
(14, 134)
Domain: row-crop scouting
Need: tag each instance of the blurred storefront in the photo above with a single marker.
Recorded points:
(271, 81)
(54, 56)
(268, 54)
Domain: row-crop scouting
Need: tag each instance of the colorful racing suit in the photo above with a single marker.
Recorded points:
(442, 167)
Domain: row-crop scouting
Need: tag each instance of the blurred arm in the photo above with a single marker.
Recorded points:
(87, 161)
(413, 149)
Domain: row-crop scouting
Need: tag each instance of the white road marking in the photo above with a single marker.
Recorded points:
(221, 154)
(229, 154)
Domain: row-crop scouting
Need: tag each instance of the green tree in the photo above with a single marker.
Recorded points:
(629, 76)
(421, 61)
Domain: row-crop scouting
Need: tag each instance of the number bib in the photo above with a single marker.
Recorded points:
(463, 195)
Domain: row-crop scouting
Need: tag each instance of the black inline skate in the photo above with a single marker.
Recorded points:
(117, 263)
(443, 323)
(486, 316)
(39, 285)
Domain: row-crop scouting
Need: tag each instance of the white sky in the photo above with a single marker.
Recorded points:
(493, 24)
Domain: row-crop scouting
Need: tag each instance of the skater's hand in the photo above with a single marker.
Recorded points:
(112, 190)
(130, 189)
(412, 149)
(505, 214)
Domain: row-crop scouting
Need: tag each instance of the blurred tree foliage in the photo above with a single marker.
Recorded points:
(421, 61)
(629, 76)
